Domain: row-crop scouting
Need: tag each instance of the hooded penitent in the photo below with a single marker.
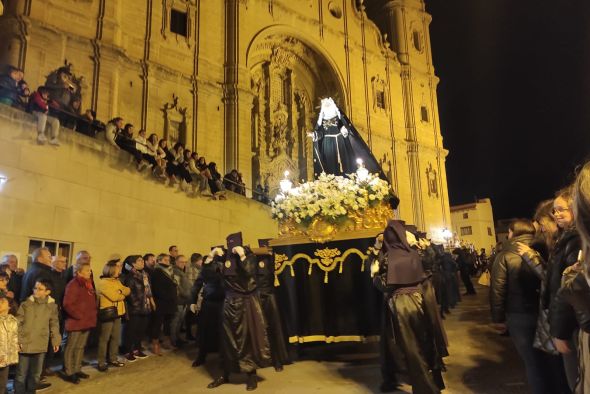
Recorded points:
(403, 263)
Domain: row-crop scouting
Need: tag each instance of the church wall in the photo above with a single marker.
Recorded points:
(351, 44)
(89, 193)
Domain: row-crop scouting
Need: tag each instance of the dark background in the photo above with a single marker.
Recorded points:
(514, 97)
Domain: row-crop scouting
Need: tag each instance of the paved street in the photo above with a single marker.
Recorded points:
(480, 362)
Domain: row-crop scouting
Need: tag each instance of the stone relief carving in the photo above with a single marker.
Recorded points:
(64, 86)
(379, 97)
(432, 178)
(175, 121)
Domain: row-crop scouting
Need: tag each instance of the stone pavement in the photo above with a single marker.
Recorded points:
(480, 362)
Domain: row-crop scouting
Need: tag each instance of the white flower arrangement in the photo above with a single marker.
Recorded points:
(330, 197)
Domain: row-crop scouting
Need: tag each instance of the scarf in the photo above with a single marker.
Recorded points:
(85, 283)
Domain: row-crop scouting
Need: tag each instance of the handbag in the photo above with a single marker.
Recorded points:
(109, 313)
(542, 340)
(484, 278)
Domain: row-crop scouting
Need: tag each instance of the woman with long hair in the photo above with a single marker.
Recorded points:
(168, 158)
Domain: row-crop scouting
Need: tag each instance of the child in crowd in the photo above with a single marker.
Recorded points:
(38, 323)
(39, 107)
(8, 341)
(4, 292)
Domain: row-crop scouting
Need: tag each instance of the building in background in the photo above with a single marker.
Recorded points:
(240, 81)
(474, 224)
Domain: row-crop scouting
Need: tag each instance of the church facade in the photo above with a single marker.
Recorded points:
(240, 81)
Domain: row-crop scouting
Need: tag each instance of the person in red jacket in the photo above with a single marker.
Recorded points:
(39, 107)
(81, 309)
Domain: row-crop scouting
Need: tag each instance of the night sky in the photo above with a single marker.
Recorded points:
(514, 97)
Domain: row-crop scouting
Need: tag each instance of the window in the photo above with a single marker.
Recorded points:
(179, 22)
(466, 230)
(417, 41)
(490, 231)
(466, 215)
(57, 248)
(380, 99)
(424, 113)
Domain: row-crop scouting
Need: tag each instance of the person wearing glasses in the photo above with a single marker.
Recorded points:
(565, 253)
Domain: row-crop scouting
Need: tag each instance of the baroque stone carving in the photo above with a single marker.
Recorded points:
(287, 77)
(64, 86)
(175, 121)
(432, 178)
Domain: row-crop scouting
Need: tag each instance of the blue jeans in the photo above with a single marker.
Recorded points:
(522, 327)
(28, 372)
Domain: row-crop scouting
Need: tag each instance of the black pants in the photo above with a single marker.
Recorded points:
(129, 146)
(160, 320)
(150, 159)
(466, 278)
(133, 331)
(3, 379)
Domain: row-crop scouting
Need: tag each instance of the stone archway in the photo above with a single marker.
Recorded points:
(288, 78)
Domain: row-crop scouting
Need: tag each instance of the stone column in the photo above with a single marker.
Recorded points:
(230, 84)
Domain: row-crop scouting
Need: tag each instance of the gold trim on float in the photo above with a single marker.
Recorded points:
(332, 339)
(328, 260)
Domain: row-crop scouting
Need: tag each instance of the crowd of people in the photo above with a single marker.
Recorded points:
(175, 165)
(539, 292)
(156, 302)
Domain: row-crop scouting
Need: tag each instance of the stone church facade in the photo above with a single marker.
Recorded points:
(239, 81)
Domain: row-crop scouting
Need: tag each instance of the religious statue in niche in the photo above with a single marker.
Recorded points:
(337, 144)
(175, 121)
(281, 138)
(65, 88)
(379, 97)
(432, 179)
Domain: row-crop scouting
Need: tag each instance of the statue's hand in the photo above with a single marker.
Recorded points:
(344, 131)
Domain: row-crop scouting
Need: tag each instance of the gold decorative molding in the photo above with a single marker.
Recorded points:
(327, 260)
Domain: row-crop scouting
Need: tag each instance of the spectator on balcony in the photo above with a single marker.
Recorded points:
(24, 93)
(215, 183)
(181, 170)
(199, 180)
(113, 129)
(39, 107)
(148, 155)
(9, 86)
(126, 142)
(242, 184)
(231, 181)
(168, 157)
(151, 150)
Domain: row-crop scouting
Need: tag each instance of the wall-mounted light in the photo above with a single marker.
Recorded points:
(3, 179)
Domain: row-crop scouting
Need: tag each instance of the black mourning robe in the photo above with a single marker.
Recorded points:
(209, 318)
(274, 323)
(409, 337)
(244, 343)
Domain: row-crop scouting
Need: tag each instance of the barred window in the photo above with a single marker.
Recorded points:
(466, 230)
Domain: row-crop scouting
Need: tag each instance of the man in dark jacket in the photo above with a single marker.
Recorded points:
(9, 264)
(40, 270)
(514, 301)
(9, 86)
(165, 292)
(465, 269)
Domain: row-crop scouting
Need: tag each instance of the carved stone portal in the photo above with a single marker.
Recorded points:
(287, 78)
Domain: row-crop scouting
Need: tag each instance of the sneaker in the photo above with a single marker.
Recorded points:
(130, 357)
(54, 142)
(139, 354)
(117, 364)
(82, 375)
(42, 386)
(41, 139)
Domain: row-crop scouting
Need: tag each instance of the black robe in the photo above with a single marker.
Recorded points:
(411, 341)
(209, 318)
(244, 342)
(335, 154)
(272, 315)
